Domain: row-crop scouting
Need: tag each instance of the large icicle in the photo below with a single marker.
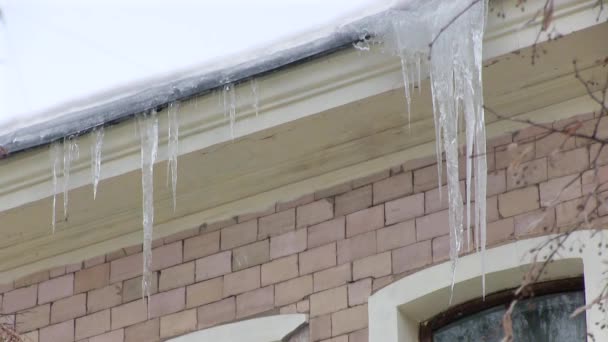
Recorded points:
(148, 132)
(55, 154)
(70, 154)
(96, 145)
(172, 149)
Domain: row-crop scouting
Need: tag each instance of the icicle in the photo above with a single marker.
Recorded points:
(230, 106)
(70, 154)
(254, 93)
(148, 130)
(419, 77)
(55, 154)
(172, 149)
(406, 86)
(96, 145)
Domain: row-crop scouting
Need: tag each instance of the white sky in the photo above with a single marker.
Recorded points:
(53, 51)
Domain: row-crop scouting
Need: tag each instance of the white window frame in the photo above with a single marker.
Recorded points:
(396, 311)
(263, 329)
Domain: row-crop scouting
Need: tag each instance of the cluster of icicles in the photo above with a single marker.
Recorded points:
(454, 68)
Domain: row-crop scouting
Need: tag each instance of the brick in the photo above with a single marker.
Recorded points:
(167, 256)
(315, 212)
(115, 255)
(178, 324)
(92, 278)
(257, 214)
(514, 154)
(56, 288)
(518, 201)
(131, 289)
(332, 277)
(254, 302)
(354, 201)
(250, 255)
(357, 247)
(359, 292)
(201, 246)
(289, 243)
(359, 336)
(393, 187)
(69, 308)
(411, 257)
(536, 222)
(568, 162)
(129, 314)
(277, 224)
(328, 301)
(57, 272)
(213, 266)
(365, 220)
(317, 259)
(176, 276)
(137, 248)
(378, 176)
(395, 236)
(33, 318)
(216, 313)
(491, 208)
(414, 164)
(303, 306)
(19, 299)
(183, 235)
(241, 281)
(554, 142)
(343, 338)
(404, 208)
(289, 309)
(500, 231)
(32, 279)
(441, 248)
(6, 287)
(497, 184)
(113, 336)
(218, 224)
(168, 302)
(239, 234)
(292, 290)
(326, 232)
(31, 336)
(104, 298)
(71, 268)
(302, 200)
(125, 268)
(280, 270)
(560, 189)
(204, 292)
(95, 324)
(333, 191)
(426, 178)
(571, 212)
(62, 332)
(349, 320)
(430, 226)
(146, 331)
(375, 266)
(320, 327)
(98, 260)
(528, 173)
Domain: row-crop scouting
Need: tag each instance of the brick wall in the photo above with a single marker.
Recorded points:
(323, 254)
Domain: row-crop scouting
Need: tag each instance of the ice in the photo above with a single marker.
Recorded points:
(230, 106)
(148, 132)
(56, 155)
(70, 154)
(96, 146)
(172, 149)
(254, 94)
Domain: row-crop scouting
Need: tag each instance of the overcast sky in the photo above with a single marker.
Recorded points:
(53, 51)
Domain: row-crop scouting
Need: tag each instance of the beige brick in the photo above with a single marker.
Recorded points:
(354, 200)
(343, 338)
(491, 208)
(395, 236)
(204, 292)
(33, 318)
(201, 246)
(535, 222)
(115, 255)
(95, 324)
(216, 313)
(414, 164)
(568, 162)
(69, 308)
(146, 331)
(518, 201)
(129, 314)
(328, 301)
(92, 278)
(357, 247)
(239, 234)
(441, 248)
(256, 214)
(432, 225)
(131, 289)
(332, 277)
(218, 224)
(514, 153)
(112, 336)
(183, 235)
(412, 257)
(167, 256)
(19, 299)
(560, 189)
(176, 276)
(98, 260)
(359, 336)
(6, 287)
(104, 298)
(138, 248)
(178, 324)
(365, 220)
(213, 266)
(393, 187)
(289, 243)
(317, 259)
(277, 224)
(289, 309)
(168, 302)
(242, 281)
(528, 173)
(320, 328)
(375, 266)
(57, 272)
(500, 231)
(62, 332)
(31, 336)
(378, 176)
(303, 306)
(31, 279)
(253, 254)
(326, 232)
(404, 208)
(56, 288)
(432, 201)
(426, 178)
(496, 181)
(280, 270)
(359, 292)
(349, 320)
(125, 268)
(333, 191)
(315, 212)
(254, 302)
(571, 212)
(292, 290)
(302, 200)
(554, 142)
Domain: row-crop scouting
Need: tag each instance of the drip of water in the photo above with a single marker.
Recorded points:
(172, 149)
(230, 106)
(254, 93)
(71, 153)
(96, 146)
(55, 154)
